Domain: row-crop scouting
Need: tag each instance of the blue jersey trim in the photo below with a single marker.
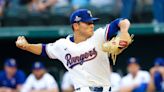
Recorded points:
(72, 38)
(44, 54)
(113, 28)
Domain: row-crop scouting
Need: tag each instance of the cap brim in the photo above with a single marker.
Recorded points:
(10, 66)
(92, 19)
(38, 68)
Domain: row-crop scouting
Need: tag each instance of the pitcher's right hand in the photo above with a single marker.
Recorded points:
(22, 43)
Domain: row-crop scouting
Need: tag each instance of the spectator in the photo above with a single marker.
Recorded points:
(2, 5)
(127, 8)
(101, 3)
(103, 6)
(11, 79)
(157, 76)
(136, 80)
(130, 7)
(67, 83)
(158, 10)
(76, 4)
(115, 79)
(12, 7)
(62, 7)
(40, 80)
(62, 3)
(40, 5)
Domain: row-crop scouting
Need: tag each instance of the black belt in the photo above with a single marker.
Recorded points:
(95, 89)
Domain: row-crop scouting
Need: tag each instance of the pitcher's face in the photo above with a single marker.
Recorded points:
(86, 29)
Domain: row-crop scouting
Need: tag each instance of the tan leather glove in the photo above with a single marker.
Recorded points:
(115, 46)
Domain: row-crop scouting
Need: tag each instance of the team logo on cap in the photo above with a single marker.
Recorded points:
(89, 12)
(132, 60)
(77, 18)
(13, 62)
(37, 64)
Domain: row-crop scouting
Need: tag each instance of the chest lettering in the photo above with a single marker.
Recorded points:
(75, 60)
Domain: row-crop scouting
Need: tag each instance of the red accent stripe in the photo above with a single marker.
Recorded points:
(107, 38)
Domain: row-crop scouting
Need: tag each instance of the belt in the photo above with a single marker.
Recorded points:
(95, 89)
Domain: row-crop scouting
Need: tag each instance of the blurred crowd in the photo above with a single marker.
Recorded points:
(150, 10)
(12, 79)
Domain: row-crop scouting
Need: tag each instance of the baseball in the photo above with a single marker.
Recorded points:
(19, 42)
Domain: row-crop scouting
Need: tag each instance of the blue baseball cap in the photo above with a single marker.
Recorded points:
(82, 15)
(10, 62)
(159, 61)
(38, 65)
(132, 60)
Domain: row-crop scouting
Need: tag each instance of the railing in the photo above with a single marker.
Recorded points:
(61, 31)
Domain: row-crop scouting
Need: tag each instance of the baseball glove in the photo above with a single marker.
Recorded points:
(115, 46)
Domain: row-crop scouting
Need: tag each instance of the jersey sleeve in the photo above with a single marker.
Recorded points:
(51, 82)
(53, 50)
(103, 34)
(112, 28)
(20, 77)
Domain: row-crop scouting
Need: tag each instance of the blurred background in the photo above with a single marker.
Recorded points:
(45, 21)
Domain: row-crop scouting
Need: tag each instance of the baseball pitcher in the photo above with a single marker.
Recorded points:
(85, 52)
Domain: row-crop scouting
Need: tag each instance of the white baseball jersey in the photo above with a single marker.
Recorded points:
(86, 62)
(67, 81)
(141, 77)
(46, 82)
